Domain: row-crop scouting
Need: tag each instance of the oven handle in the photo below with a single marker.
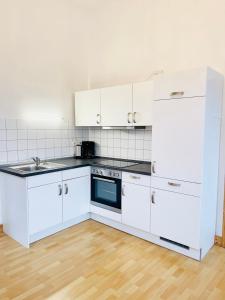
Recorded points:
(103, 179)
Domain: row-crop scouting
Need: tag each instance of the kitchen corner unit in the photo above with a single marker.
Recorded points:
(175, 207)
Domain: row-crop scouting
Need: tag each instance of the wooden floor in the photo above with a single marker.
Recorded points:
(93, 261)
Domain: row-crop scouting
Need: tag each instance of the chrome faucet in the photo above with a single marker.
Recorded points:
(37, 161)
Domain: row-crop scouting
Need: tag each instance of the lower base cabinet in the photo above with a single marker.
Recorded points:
(176, 217)
(136, 205)
(45, 207)
(76, 197)
(56, 198)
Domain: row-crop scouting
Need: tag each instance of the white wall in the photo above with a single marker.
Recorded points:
(42, 58)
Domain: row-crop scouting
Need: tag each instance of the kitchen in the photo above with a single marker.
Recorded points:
(140, 154)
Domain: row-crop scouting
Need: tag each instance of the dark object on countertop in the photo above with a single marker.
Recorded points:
(87, 149)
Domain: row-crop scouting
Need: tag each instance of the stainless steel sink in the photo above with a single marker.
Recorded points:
(30, 168)
(33, 167)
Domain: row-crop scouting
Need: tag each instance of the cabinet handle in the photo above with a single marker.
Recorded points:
(134, 117)
(153, 167)
(174, 184)
(135, 177)
(66, 189)
(153, 197)
(128, 118)
(98, 119)
(60, 189)
(177, 94)
(123, 192)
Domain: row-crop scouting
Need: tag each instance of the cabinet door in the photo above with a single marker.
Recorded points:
(176, 217)
(87, 108)
(136, 206)
(116, 106)
(186, 84)
(45, 207)
(142, 103)
(76, 197)
(177, 139)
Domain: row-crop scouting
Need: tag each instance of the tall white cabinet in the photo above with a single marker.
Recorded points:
(185, 158)
(178, 142)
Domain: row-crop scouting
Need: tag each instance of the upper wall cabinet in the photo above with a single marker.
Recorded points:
(116, 106)
(87, 108)
(142, 103)
(187, 84)
(125, 105)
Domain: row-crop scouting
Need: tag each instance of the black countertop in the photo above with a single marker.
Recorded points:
(139, 167)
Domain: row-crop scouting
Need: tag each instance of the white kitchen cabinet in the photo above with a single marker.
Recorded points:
(142, 103)
(88, 108)
(76, 197)
(136, 206)
(125, 105)
(186, 157)
(116, 106)
(45, 207)
(38, 206)
(176, 217)
(190, 83)
(178, 139)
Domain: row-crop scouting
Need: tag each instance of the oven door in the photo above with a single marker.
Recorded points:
(106, 192)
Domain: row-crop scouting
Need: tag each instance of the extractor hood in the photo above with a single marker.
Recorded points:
(124, 127)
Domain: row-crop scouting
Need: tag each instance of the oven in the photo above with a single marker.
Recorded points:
(106, 189)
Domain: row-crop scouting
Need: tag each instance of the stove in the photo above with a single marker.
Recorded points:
(115, 163)
(106, 183)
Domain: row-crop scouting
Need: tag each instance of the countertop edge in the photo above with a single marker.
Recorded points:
(6, 169)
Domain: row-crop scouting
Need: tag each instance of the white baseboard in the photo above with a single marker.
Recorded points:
(193, 253)
(40, 235)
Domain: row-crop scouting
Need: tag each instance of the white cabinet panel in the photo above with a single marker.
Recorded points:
(178, 138)
(142, 103)
(116, 106)
(77, 172)
(87, 108)
(45, 207)
(177, 186)
(136, 178)
(176, 217)
(105, 213)
(136, 206)
(190, 83)
(44, 179)
(76, 197)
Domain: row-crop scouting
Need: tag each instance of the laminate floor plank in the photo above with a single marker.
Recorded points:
(92, 261)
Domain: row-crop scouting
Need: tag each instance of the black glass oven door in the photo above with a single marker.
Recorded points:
(106, 190)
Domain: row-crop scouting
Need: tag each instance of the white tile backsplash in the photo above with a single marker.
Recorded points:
(126, 144)
(19, 141)
(11, 134)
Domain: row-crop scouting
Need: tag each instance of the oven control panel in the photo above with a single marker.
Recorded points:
(106, 172)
